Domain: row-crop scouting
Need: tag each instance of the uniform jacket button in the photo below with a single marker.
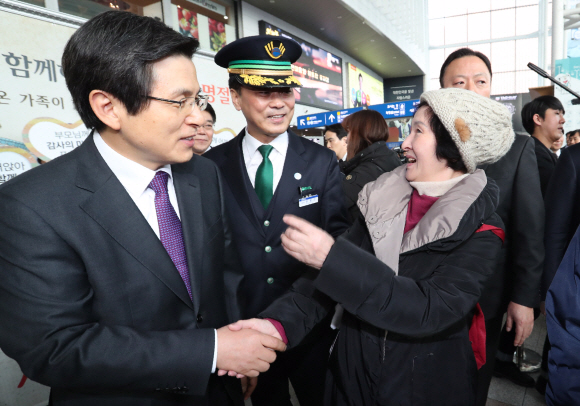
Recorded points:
(270, 280)
(199, 318)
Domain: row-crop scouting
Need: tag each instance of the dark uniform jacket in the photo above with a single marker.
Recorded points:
(563, 211)
(91, 303)
(521, 208)
(404, 338)
(363, 168)
(268, 270)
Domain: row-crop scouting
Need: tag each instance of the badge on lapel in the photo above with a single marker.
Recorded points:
(308, 196)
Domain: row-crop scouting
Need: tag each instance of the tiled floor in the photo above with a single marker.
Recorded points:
(503, 393)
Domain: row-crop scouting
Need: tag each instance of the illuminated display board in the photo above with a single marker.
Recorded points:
(363, 89)
(319, 71)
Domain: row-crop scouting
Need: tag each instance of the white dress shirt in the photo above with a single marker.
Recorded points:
(253, 158)
(136, 178)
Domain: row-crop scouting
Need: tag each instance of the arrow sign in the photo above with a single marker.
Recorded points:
(331, 118)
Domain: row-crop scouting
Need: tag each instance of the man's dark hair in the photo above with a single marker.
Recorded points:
(539, 106)
(446, 149)
(337, 129)
(234, 84)
(115, 52)
(211, 112)
(461, 53)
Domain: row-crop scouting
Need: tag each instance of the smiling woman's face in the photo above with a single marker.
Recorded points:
(419, 147)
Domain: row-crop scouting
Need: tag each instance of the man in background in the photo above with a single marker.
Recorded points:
(543, 119)
(514, 286)
(335, 138)
(203, 138)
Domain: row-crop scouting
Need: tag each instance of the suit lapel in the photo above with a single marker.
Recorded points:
(237, 178)
(287, 189)
(189, 200)
(113, 209)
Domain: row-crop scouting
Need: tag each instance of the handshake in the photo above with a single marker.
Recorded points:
(247, 347)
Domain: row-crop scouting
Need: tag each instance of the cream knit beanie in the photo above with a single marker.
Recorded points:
(480, 127)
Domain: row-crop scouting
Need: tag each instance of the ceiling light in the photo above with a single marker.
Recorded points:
(322, 29)
(409, 70)
(372, 40)
(380, 63)
(225, 17)
(394, 57)
(339, 17)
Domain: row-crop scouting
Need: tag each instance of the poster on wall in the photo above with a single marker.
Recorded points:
(213, 35)
(319, 72)
(214, 82)
(364, 90)
(187, 23)
(37, 116)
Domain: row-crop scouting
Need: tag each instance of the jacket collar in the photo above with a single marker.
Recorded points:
(455, 216)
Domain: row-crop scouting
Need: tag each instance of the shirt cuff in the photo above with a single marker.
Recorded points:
(213, 365)
(280, 329)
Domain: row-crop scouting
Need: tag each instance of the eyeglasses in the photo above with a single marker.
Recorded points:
(207, 127)
(186, 104)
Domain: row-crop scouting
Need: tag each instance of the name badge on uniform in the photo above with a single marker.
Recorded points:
(307, 200)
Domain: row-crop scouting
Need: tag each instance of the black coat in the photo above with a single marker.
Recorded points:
(547, 161)
(563, 209)
(270, 272)
(521, 208)
(91, 303)
(426, 358)
(363, 168)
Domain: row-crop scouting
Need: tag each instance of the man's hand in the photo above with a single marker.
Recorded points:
(306, 242)
(247, 351)
(248, 386)
(523, 317)
(261, 325)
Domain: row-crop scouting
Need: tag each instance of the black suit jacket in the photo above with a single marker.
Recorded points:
(521, 208)
(91, 303)
(547, 161)
(562, 211)
(268, 270)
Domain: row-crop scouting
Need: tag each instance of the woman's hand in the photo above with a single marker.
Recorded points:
(306, 242)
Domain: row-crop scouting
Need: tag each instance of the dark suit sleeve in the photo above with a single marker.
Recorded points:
(563, 323)
(561, 208)
(233, 272)
(526, 229)
(333, 213)
(48, 327)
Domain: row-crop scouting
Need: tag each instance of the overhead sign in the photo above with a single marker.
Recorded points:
(323, 119)
(401, 89)
(319, 72)
(394, 110)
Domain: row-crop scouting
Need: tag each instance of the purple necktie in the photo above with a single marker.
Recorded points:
(170, 227)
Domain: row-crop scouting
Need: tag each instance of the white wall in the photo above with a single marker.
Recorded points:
(250, 17)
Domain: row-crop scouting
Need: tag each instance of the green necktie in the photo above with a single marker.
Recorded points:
(265, 177)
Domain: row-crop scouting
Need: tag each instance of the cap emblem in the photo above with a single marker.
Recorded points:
(275, 52)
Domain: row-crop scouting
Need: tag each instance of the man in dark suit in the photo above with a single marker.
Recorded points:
(543, 119)
(116, 260)
(270, 171)
(514, 286)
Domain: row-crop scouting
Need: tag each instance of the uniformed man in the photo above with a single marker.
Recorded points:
(270, 171)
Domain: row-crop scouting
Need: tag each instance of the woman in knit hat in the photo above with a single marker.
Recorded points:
(410, 271)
